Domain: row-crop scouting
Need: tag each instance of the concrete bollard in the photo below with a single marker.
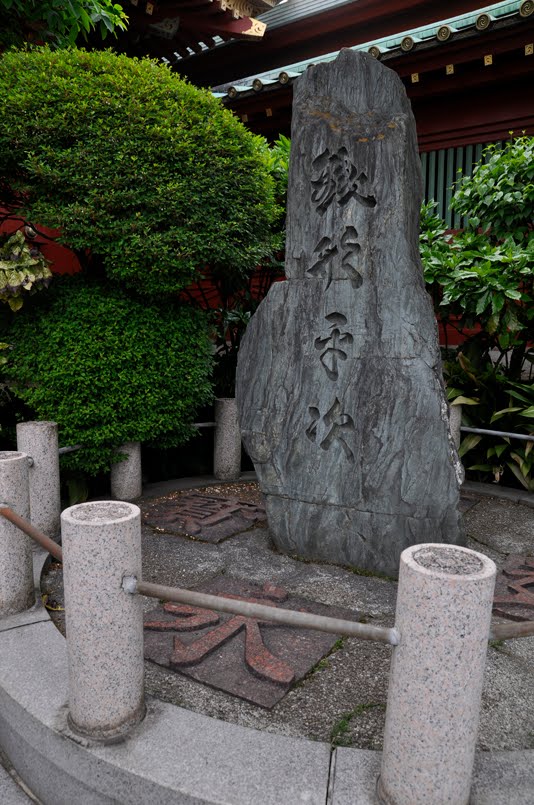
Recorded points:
(455, 419)
(16, 564)
(443, 615)
(101, 544)
(227, 442)
(40, 441)
(126, 476)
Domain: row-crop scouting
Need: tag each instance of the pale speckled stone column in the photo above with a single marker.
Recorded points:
(16, 569)
(40, 441)
(455, 423)
(101, 544)
(126, 476)
(227, 443)
(443, 616)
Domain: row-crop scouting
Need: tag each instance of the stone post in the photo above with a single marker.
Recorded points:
(443, 615)
(16, 571)
(101, 545)
(40, 441)
(126, 477)
(227, 442)
(456, 423)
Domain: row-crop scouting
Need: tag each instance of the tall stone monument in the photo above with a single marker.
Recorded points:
(339, 386)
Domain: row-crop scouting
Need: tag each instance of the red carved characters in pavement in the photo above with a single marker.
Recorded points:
(516, 603)
(258, 658)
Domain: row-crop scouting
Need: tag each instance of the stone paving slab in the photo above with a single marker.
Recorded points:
(205, 517)
(255, 660)
(353, 776)
(353, 679)
(503, 526)
(514, 589)
(10, 792)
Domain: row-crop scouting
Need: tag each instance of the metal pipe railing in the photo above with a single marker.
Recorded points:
(288, 617)
(523, 436)
(69, 449)
(45, 542)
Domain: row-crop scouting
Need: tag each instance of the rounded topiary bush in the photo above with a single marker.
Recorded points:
(109, 368)
(148, 174)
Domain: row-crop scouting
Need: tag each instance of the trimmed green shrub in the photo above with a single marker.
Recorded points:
(150, 176)
(109, 368)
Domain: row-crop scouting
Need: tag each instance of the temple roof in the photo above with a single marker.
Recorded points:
(177, 29)
(475, 23)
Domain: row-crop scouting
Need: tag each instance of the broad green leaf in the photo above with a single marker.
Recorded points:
(498, 414)
(470, 441)
(461, 400)
(529, 485)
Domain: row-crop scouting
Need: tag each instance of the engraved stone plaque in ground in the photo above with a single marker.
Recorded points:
(209, 518)
(339, 385)
(514, 589)
(255, 660)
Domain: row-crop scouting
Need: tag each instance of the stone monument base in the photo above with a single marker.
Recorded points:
(367, 540)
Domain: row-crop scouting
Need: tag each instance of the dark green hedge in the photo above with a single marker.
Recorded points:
(109, 368)
(150, 174)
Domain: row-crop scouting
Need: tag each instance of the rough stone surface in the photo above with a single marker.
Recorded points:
(40, 441)
(503, 526)
(255, 660)
(227, 441)
(126, 475)
(16, 569)
(10, 792)
(436, 678)
(205, 517)
(455, 415)
(503, 777)
(101, 545)
(339, 385)
(175, 756)
(353, 776)
(351, 683)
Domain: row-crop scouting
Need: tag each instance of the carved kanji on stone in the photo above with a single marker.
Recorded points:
(244, 657)
(352, 447)
(334, 175)
(257, 656)
(334, 259)
(333, 347)
(519, 580)
(336, 424)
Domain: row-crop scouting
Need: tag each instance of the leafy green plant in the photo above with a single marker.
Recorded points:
(482, 279)
(339, 732)
(239, 294)
(56, 21)
(491, 401)
(109, 368)
(23, 269)
(149, 179)
(499, 196)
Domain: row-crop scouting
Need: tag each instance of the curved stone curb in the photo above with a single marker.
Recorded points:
(499, 492)
(177, 757)
(10, 793)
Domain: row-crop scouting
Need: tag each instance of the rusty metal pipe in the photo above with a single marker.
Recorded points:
(288, 617)
(45, 542)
